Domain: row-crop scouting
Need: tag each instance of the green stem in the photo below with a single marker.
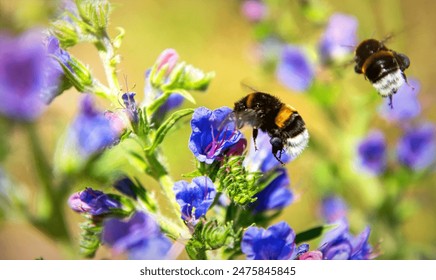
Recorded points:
(107, 54)
(159, 172)
(50, 219)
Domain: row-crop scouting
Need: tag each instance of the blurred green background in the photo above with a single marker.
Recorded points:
(213, 35)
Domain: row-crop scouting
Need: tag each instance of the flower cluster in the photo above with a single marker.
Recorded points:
(295, 66)
(139, 235)
(223, 206)
(339, 243)
(416, 148)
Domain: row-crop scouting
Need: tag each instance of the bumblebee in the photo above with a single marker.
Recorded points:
(383, 67)
(280, 121)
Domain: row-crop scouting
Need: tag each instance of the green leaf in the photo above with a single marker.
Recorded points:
(311, 233)
(184, 93)
(192, 174)
(167, 125)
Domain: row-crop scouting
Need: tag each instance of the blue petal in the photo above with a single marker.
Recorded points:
(276, 195)
(295, 71)
(417, 148)
(406, 103)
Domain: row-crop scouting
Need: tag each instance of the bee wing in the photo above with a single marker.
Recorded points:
(246, 117)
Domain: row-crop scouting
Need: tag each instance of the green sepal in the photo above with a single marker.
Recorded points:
(94, 13)
(90, 238)
(65, 32)
(239, 184)
(79, 75)
(167, 125)
(213, 235)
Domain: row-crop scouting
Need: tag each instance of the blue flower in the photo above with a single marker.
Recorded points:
(406, 106)
(139, 236)
(340, 244)
(371, 153)
(56, 82)
(23, 68)
(339, 38)
(417, 147)
(194, 198)
(333, 209)
(277, 242)
(93, 202)
(263, 159)
(92, 131)
(295, 71)
(212, 134)
(276, 195)
(125, 186)
(131, 107)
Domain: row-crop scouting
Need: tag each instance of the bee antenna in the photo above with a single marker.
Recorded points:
(407, 82)
(388, 37)
(246, 86)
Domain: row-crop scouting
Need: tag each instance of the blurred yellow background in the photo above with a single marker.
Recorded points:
(214, 36)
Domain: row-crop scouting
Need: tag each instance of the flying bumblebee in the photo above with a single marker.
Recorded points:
(281, 121)
(383, 67)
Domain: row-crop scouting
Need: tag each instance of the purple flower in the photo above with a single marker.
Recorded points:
(254, 10)
(262, 159)
(417, 148)
(92, 131)
(276, 195)
(295, 71)
(339, 37)
(340, 244)
(371, 153)
(139, 236)
(406, 106)
(131, 107)
(194, 198)
(333, 209)
(93, 202)
(126, 186)
(275, 243)
(23, 68)
(213, 134)
(55, 77)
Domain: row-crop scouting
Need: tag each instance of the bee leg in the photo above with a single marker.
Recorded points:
(255, 133)
(277, 147)
(278, 158)
(390, 102)
(407, 82)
